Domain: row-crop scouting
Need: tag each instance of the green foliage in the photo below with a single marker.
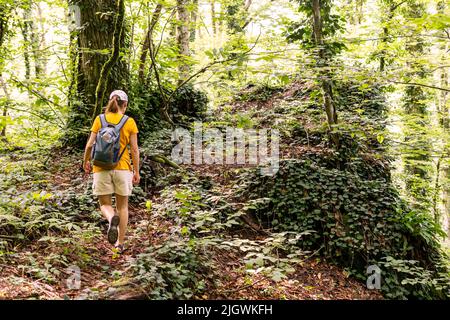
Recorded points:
(195, 211)
(364, 99)
(276, 256)
(362, 119)
(27, 215)
(236, 16)
(233, 58)
(177, 269)
(302, 31)
(189, 102)
(261, 92)
(358, 217)
(340, 204)
(79, 122)
(408, 278)
(184, 265)
(143, 107)
(43, 230)
(146, 102)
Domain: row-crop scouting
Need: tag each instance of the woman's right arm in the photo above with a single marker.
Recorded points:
(135, 157)
(87, 153)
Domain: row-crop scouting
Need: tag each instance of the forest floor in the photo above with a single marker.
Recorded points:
(30, 272)
(313, 280)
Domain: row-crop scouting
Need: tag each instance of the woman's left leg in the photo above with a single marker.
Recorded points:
(106, 206)
(122, 209)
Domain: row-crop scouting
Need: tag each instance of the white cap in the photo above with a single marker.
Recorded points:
(122, 95)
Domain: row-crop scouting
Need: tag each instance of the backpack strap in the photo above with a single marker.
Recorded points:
(121, 154)
(118, 127)
(121, 123)
(103, 120)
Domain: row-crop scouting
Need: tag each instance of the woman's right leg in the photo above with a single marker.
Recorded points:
(114, 220)
(123, 187)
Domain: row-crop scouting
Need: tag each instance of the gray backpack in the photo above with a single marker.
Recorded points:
(106, 150)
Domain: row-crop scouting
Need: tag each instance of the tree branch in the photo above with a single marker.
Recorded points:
(41, 96)
(419, 85)
(211, 65)
(164, 108)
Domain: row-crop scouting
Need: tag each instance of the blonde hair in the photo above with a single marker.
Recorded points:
(115, 104)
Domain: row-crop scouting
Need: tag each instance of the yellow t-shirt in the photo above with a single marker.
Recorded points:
(127, 130)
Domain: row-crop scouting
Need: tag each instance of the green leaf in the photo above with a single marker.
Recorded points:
(380, 138)
(184, 231)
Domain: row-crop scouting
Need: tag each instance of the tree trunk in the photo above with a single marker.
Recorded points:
(247, 21)
(446, 198)
(193, 23)
(383, 51)
(165, 103)
(444, 121)
(5, 107)
(183, 39)
(4, 17)
(220, 20)
(25, 28)
(361, 11)
(325, 81)
(148, 42)
(444, 115)
(33, 39)
(436, 193)
(38, 44)
(359, 6)
(96, 36)
(94, 48)
(102, 85)
(213, 17)
(3, 23)
(247, 5)
(418, 166)
(385, 37)
(237, 16)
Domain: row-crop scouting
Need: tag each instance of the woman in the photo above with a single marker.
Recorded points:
(120, 179)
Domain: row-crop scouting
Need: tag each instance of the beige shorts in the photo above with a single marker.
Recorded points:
(113, 181)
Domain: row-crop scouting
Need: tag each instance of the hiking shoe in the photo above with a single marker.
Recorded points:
(120, 248)
(113, 233)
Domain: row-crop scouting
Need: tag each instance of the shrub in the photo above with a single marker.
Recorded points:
(145, 105)
(190, 102)
(144, 108)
